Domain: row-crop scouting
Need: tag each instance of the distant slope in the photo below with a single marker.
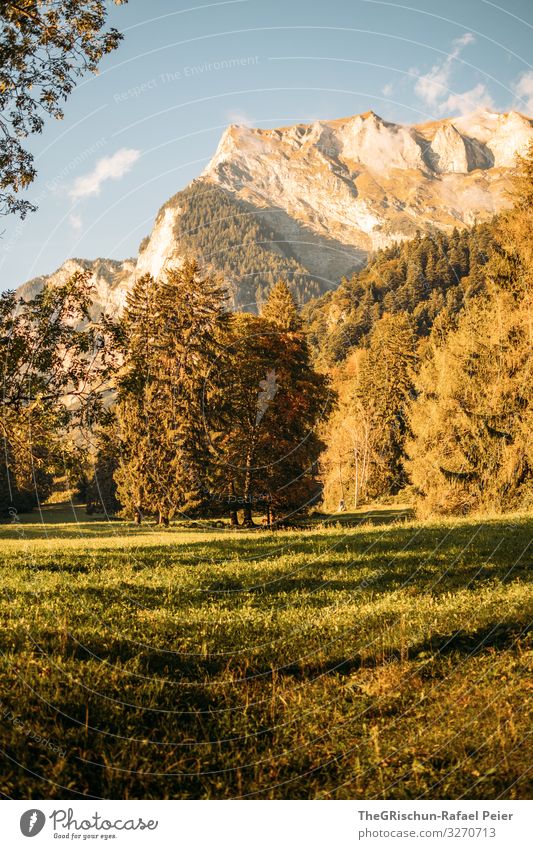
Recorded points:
(234, 238)
(111, 280)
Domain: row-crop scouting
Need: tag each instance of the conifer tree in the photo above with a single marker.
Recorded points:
(280, 308)
(135, 419)
(169, 339)
(415, 282)
(473, 419)
(102, 486)
(385, 389)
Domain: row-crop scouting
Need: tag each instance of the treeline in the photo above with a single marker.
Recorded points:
(215, 413)
(434, 369)
(414, 377)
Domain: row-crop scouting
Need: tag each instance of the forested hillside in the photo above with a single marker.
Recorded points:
(430, 348)
(428, 276)
(235, 238)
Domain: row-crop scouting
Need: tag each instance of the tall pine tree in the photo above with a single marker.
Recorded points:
(385, 390)
(280, 308)
(169, 340)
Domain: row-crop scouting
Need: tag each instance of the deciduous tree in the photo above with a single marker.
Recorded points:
(44, 48)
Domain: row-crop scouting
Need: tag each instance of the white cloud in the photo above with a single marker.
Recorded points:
(434, 87)
(108, 168)
(467, 102)
(387, 90)
(431, 86)
(464, 40)
(523, 89)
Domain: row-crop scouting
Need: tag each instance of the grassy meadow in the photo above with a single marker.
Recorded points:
(388, 659)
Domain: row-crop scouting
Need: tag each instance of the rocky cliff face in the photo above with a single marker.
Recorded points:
(317, 198)
(111, 278)
(367, 182)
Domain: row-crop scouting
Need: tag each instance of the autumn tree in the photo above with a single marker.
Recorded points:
(280, 308)
(54, 365)
(44, 48)
(349, 436)
(472, 420)
(266, 446)
(385, 390)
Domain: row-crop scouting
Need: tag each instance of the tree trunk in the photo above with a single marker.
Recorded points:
(233, 517)
(356, 491)
(247, 507)
(341, 480)
(248, 521)
(364, 471)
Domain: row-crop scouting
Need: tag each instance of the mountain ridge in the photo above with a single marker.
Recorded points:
(312, 201)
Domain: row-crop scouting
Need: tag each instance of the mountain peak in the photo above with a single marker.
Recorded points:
(370, 114)
(481, 140)
(365, 181)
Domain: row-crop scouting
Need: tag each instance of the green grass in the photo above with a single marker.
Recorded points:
(375, 661)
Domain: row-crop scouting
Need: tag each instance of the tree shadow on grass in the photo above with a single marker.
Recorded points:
(230, 671)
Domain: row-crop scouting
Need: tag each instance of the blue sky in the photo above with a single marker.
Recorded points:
(151, 120)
